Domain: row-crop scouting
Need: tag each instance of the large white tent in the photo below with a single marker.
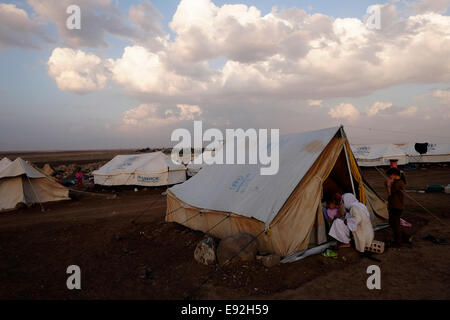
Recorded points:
(283, 210)
(436, 152)
(371, 155)
(21, 183)
(148, 169)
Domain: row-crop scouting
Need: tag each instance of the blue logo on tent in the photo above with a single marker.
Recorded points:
(147, 179)
(240, 184)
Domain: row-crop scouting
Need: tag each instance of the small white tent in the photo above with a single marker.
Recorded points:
(21, 183)
(371, 155)
(148, 169)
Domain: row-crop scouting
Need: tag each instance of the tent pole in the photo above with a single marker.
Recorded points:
(348, 167)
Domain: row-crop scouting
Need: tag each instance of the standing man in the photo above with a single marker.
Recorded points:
(396, 185)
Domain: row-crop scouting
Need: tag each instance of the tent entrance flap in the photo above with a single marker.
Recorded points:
(338, 181)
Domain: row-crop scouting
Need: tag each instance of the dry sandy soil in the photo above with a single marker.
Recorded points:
(126, 251)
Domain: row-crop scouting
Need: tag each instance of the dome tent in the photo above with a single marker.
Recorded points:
(148, 169)
(21, 183)
(283, 210)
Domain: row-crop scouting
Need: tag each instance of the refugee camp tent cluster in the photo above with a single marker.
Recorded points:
(283, 211)
(433, 152)
(372, 155)
(21, 183)
(379, 155)
(149, 169)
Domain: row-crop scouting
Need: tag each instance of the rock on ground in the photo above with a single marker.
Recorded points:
(205, 251)
(270, 260)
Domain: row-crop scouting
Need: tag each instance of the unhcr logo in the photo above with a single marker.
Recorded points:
(237, 146)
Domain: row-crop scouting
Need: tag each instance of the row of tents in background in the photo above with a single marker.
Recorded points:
(21, 182)
(157, 169)
(371, 155)
(282, 212)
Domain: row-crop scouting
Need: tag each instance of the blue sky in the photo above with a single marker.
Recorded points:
(151, 78)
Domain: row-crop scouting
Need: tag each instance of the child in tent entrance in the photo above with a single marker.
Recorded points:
(336, 219)
(79, 177)
(396, 185)
(331, 209)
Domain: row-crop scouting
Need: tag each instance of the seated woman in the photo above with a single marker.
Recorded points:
(356, 220)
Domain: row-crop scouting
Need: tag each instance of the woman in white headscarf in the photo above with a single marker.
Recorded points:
(357, 220)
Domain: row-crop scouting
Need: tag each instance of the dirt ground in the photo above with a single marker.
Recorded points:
(126, 251)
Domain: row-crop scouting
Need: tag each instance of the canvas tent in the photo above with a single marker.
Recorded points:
(283, 210)
(372, 155)
(148, 169)
(21, 183)
(4, 163)
(436, 152)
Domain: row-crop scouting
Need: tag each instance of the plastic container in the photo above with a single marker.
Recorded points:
(434, 188)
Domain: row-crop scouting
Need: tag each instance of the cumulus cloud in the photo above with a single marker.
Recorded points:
(228, 56)
(292, 54)
(408, 112)
(345, 111)
(288, 54)
(154, 115)
(377, 107)
(77, 71)
(18, 29)
(315, 103)
(423, 6)
(141, 70)
(100, 18)
(442, 95)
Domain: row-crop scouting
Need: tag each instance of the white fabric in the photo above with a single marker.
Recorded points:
(242, 190)
(380, 154)
(4, 163)
(358, 221)
(350, 201)
(352, 224)
(371, 155)
(20, 167)
(148, 169)
(340, 231)
(363, 233)
(437, 152)
(20, 182)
